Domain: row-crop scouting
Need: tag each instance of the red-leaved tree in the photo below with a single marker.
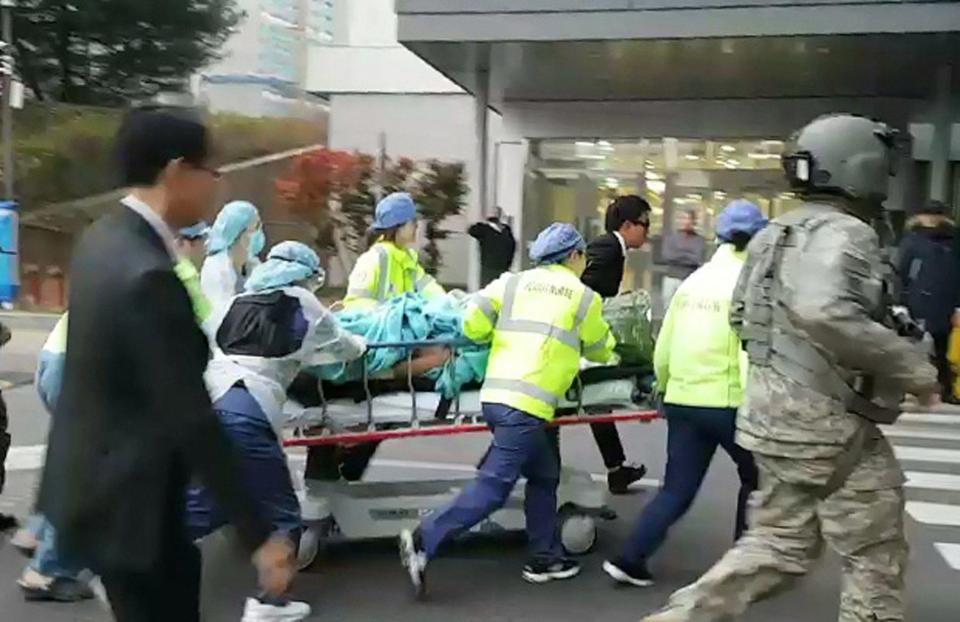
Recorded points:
(336, 192)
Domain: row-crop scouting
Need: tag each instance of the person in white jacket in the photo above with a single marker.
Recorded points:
(234, 244)
(260, 341)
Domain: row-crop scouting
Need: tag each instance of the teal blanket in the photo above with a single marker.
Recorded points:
(405, 318)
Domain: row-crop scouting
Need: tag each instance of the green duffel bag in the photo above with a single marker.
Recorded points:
(629, 316)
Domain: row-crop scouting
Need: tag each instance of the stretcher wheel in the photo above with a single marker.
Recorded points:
(578, 532)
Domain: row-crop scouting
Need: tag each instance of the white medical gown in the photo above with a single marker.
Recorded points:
(267, 377)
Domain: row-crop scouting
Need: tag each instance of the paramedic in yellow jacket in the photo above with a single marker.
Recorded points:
(390, 268)
(701, 371)
(538, 323)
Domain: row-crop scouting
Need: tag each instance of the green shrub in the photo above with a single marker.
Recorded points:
(65, 152)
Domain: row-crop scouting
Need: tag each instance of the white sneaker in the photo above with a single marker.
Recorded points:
(414, 559)
(290, 611)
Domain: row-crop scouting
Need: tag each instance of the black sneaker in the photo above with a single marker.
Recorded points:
(544, 572)
(61, 590)
(628, 574)
(414, 559)
(619, 480)
(8, 523)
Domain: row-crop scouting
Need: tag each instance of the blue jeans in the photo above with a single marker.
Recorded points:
(264, 470)
(46, 560)
(693, 435)
(521, 446)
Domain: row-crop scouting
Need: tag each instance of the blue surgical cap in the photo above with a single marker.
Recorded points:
(555, 243)
(394, 210)
(231, 222)
(740, 216)
(195, 232)
(287, 263)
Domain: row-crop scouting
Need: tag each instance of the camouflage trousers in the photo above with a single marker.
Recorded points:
(862, 521)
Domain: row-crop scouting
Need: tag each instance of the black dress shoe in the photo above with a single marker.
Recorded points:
(619, 480)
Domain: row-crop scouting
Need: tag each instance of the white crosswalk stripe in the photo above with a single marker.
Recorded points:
(928, 447)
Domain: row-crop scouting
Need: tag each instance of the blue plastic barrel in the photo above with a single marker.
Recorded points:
(9, 251)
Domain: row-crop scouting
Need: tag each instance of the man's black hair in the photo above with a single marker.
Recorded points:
(628, 208)
(150, 137)
(740, 240)
(935, 208)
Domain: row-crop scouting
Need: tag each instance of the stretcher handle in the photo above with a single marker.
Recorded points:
(449, 430)
(414, 416)
(426, 343)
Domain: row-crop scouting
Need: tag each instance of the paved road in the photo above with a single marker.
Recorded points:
(480, 581)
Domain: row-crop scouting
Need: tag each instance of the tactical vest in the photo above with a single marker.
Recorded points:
(758, 314)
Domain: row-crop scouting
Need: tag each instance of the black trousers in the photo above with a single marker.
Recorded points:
(4, 440)
(944, 373)
(170, 589)
(609, 444)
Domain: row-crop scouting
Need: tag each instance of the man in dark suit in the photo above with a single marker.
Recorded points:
(497, 246)
(627, 224)
(134, 422)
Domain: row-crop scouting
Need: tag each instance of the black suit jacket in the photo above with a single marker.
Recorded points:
(134, 421)
(605, 262)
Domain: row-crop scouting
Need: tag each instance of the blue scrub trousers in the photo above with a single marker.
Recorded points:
(693, 435)
(521, 446)
(264, 470)
(46, 559)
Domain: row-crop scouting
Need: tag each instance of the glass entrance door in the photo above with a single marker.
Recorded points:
(574, 181)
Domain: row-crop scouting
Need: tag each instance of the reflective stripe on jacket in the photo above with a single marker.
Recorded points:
(540, 322)
(698, 357)
(386, 271)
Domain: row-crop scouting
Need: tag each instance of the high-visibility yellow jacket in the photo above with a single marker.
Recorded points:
(190, 277)
(698, 358)
(385, 271)
(540, 322)
(49, 376)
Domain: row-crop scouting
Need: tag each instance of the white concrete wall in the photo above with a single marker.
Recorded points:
(420, 127)
(379, 69)
(371, 22)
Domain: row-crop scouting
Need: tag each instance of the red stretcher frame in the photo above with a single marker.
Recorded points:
(349, 438)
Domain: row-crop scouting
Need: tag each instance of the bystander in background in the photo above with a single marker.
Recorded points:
(929, 270)
(683, 252)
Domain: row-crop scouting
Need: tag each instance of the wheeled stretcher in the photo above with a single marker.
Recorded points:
(332, 419)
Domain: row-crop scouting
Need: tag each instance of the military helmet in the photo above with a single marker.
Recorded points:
(843, 155)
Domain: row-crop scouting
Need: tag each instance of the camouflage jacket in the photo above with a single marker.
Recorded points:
(828, 297)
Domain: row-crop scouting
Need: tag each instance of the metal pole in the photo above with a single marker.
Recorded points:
(6, 8)
(482, 130)
(381, 167)
(940, 147)
(303, 69)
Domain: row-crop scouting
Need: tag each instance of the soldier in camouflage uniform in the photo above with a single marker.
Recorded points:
(809, 310)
